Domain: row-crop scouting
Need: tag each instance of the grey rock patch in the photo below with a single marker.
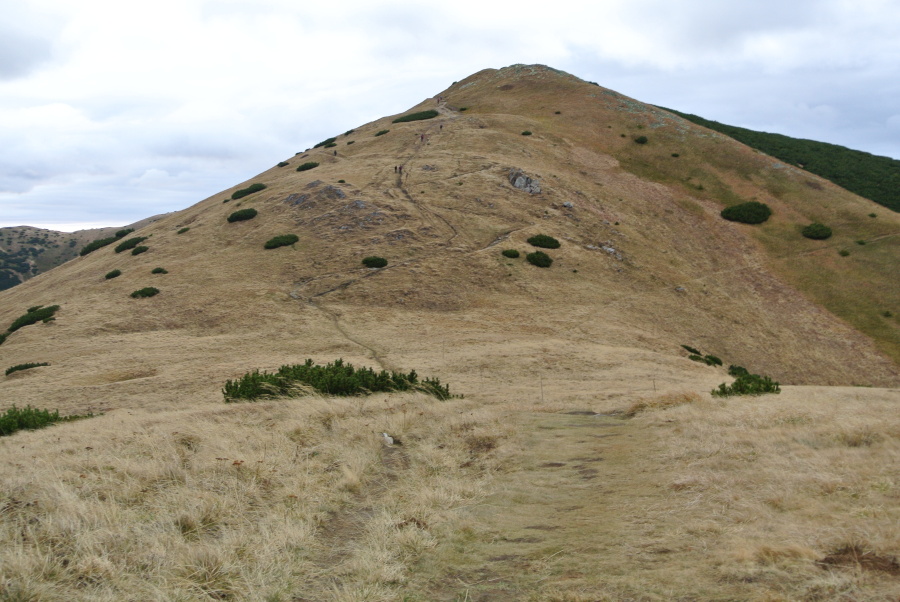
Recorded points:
(519, 180)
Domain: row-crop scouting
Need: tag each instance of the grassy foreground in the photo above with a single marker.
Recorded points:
(788, 497)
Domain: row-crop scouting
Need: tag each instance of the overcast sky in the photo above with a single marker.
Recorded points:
(113, 111)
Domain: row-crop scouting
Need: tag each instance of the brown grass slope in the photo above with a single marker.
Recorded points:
(449, 302)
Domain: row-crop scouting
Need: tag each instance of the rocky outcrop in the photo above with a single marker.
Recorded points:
(519, 180)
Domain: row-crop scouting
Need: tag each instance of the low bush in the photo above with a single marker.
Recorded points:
(747, 384)
(97, 244)
(336, 378)
(33, 316)
(307, 166)
(641, 140)
(348, 132)
(147, 291)
(816, 231)
(374, 262)
(183, 230)
(124, 232)
(539, 259)
(676, 155)
(139, 250)
(382, 132)
(239, 194)
(737, 371)
(351, 142)
(325, 142)
(420, 116)
(29, 418)
(844, 253)
(872, 215)
(159, 271)
(242, 215)
(18, 367)
(3, 336)
(113, 274)
(283, 164)
(860, 242)
(691, 350)
(463, 108)
(130, 243)
(712, 360)
(526, 133)
(281, 241)
(752, 212)
(543, 241)
(511, 253)
(330, 145)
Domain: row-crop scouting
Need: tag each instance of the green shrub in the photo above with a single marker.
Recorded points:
(844, 253)
(29, 418)
(872, 215)
(526, 133)
(752, 212)
(32, 317)
(540, 259)
(511, 253)
(463, 108)
(382, 132)
(748, 384)
(886, 314)
(325, 142)
(641, 140)
(139, 250)
(281, 241)
(183, 230)
(97, 244)
(712, 360)
(3, 336)
(348, 132)
(696, 358)
(335, 378)
(860, 242)
(159, 271)
(18, 367)
(691, 350)
(239, 194)
(34, 308)
(351, 142)
(676, 155)
(816, 231)
(342, 181)
(543, 241)
(421, 115)
(557, 113)
(113, 274)
(124, 232)
(130, 243)
(307, 166)
(374, 262)
(283, 164)
(737, 371)
(242, 215)
(147, 291)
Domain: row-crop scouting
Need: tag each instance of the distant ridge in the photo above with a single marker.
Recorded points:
(871, 176)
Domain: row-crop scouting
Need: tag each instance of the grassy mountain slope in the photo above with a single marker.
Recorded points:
(871, 176)
(645, 265)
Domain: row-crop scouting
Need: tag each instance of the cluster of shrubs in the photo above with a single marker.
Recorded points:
(239, 194)
(420, 116)
(746, 384)
(335, 378)
(16, 419)
(102, 242)
(326, 143)
(537, 258)
(32, 315)
(698, 356)
(752, 212)
(27, 366)
(242, 215)
(281, 241)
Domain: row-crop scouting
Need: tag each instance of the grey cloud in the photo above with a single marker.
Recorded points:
(21, 53)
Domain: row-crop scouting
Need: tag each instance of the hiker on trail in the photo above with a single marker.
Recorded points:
(400, 169)
(442, 126)
(335, 153)
(395, 169)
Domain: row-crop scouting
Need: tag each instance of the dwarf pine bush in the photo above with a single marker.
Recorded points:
(307, 166)
(691, 350)
(239, 194)
(27, 366)
(34, 315)
(97, 244)
(325, 142)
(420, 116)
(747, 384)
(140, 249)
(382, 132)
(511, 253)
(159, 271)
(543, 241)
(183, 230)
(641, 140)
(374, 262)
(816, 231)
(15, 419)
(130, 243)
(113, 274)
(281, 241)
(242, 215)
(539, 259)
(335, 378)
(752, 212)
(147, 291)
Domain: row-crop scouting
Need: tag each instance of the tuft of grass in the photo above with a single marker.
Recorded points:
(147, 291)
(281, 241)
(113, 274)
(420, 116)
(335, 378)
(374, 262)
(307, 166)
(511, 253)
(543, 241)
(539, 259)
(159, 271)
(130, 243)
(242, 215)
(27, 366)
(239, 194)
(382, 132)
